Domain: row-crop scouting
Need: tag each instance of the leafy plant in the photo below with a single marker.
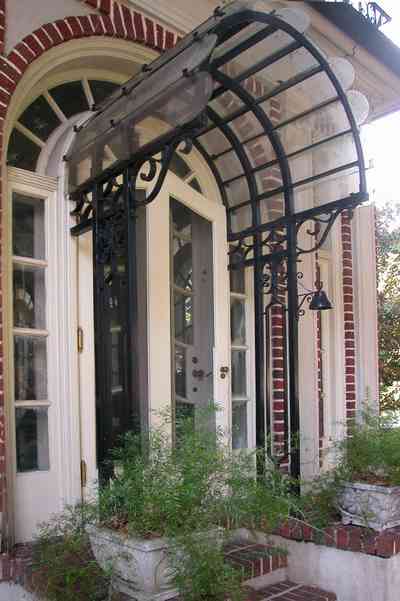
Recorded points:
(63, 566)
(319, 502)
(193, 492)
(371, 451)
(201, 573)
(187, 491)
(166, 490)
(388, 269)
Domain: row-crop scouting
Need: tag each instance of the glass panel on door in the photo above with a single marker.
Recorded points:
(192, 310)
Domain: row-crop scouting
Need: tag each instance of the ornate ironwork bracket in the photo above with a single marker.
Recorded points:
(275, 253)
(158, 167)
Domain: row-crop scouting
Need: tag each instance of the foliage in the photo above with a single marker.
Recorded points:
(371, 451)
(188, 490)
(319, 502)
(202, 574)
(388, 267)
(63, 566)
(168, 490)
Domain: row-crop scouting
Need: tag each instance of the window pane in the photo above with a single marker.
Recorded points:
(71, 98)
(101, 89)
(238, 321)
(236, 276)
(32, 435)
(183, 263)
(182, 246)
(40, 118)
(239, 374)
(239, 425)
(22, 152)
(29, 297)
(179, 166)
(194, 183)
(28, 227)
(183, 306)
(116, 357)
(30, 366)
(180, 371)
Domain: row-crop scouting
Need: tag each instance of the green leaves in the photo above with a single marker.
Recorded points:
(371, 452)
(63, 566)
(388, 265)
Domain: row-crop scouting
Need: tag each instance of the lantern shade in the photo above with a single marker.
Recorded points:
(320, 302)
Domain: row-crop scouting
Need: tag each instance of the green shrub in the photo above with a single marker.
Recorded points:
(183, 492)
(201, 573)
(166, 490)
(371, 451)
(64, 568)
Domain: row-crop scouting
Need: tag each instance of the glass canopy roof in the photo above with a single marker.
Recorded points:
(279, 120)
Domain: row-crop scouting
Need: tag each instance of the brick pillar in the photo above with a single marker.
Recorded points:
(349, 339)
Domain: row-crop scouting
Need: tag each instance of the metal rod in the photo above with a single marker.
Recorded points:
(269, 60)
(293, 350)
(349, 202)
(286, 85)
(249, 43)
(308, 112)
(259, 343)
(289, 156)
(294, 185)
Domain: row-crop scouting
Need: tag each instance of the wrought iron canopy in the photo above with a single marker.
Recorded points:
(277, 123)
(275, 120)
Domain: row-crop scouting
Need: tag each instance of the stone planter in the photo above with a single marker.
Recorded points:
(370, 505)
(141, 568)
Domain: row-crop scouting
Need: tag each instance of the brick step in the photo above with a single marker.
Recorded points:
(289, 591)
(255, 560)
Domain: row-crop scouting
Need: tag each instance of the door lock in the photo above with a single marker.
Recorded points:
(198, 373)
(223, 372)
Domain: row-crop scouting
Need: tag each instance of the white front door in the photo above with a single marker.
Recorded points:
(188, 303)
(187, 313)
(35, 403)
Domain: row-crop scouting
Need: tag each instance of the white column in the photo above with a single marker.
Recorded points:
(365, 304)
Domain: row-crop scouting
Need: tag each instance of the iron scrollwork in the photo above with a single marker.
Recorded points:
(84, 211)
(322, 228)
(158, 167)
(111, 233)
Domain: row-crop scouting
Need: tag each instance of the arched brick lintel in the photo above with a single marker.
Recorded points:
(122, 24)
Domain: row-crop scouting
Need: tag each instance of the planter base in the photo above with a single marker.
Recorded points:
(120, 591)
(372, 506)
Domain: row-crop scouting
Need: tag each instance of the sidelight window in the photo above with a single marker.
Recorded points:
(30, 332)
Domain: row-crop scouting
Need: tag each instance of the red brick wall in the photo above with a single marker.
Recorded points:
(349, 340)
